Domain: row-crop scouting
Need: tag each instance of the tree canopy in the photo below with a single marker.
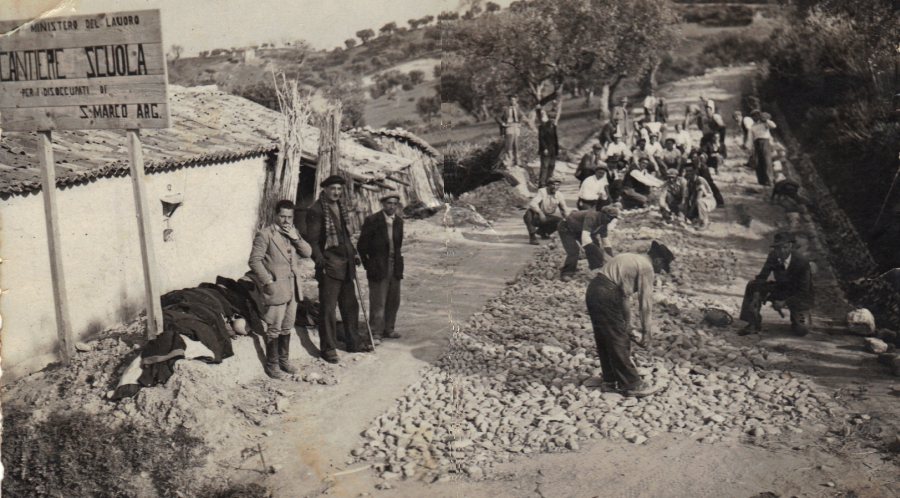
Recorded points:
(539, 46)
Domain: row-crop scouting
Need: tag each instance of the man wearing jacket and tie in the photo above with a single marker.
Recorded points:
(512, 116)
(275, 267)
(380, 244)
(792, 287)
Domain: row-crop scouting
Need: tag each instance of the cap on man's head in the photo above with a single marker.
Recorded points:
(662, 252)
(387, 197)
(333, 180)
(672, 172)
(783, 238)
(670, 139)
(598, 147)
(554, 180)
(601, 165)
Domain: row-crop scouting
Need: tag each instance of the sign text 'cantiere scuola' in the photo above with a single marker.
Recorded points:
(100, 71)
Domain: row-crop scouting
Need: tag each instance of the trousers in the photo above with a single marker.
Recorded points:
(606, 307)
(384, 302)
(512, 143)
(548, 164)
(572, 244)
(762, 151)
(758, 292)
(337, 294)
(534, 225)
(279, 318)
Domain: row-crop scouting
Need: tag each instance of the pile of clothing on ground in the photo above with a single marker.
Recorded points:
(198, 323)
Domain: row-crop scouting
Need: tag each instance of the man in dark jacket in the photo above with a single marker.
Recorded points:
(792, 287)
(548, 147)
(328, 233)
(587, 229)
(380, 244)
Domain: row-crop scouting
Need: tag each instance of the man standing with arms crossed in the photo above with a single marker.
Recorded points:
(328, 231)
(380, 244)
(275, 267)
(607, 299)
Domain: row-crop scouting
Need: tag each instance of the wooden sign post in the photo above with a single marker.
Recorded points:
(60, 303)
(98, 71)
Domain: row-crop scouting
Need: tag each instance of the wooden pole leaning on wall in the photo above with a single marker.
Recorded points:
(145, 231)
(57, 276)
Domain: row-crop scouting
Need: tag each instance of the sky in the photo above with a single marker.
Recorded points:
(207, 24)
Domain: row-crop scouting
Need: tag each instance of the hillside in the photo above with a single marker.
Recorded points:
(248, 72)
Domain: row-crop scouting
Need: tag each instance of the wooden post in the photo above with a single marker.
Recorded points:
(148, 256)
(60, 303)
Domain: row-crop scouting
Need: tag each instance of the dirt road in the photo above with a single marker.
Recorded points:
(842, 453)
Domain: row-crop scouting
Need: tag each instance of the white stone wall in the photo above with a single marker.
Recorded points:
(213, 231)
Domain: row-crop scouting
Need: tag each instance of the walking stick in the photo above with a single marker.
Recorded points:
(363, 306)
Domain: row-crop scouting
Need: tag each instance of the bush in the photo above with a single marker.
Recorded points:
(74, 454)
(717, 15)
(735, 49)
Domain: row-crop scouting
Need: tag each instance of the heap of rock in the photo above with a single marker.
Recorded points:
(520, 377)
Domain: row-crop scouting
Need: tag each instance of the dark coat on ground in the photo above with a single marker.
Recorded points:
(374, 249)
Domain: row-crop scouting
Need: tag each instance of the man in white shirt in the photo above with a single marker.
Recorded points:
(762, 145)
(650, 103)
(545, 211)
(618, 152)
(594, 191)
(682, 138)
(607, 299)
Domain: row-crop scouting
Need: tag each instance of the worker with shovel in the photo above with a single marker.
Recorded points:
(607, 299)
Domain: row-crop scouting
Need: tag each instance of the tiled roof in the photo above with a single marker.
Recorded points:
(208, 126)
(400, 134)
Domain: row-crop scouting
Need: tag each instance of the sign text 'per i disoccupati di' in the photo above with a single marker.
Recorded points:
(100, 71)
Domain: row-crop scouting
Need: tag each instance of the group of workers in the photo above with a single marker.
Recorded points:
(614, 176)
(622, 172)
(275, 268)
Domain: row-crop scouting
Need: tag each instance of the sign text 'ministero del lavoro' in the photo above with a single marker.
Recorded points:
(97, 71)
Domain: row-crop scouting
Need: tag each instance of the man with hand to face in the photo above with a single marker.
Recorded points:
(275, 267)
(380, 244)
(328, 231)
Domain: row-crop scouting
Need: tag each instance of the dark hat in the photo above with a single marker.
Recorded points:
(670, 139)
(390, 196)
(598, 146)
(782, 238)
(662, 252)
(333, 180)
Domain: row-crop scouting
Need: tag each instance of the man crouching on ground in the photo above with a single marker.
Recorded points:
(792, 287)
(607, 303)
(545, 211)
(275, 267)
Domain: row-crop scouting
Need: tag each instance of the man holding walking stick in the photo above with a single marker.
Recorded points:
(328, 232)
(380, 243)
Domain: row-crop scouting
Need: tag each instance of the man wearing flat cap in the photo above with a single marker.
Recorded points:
(380, 244)
(586, 229)
(589, 163)
(792, 287)
(545, 211)
(607, 298)
(328, 232)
